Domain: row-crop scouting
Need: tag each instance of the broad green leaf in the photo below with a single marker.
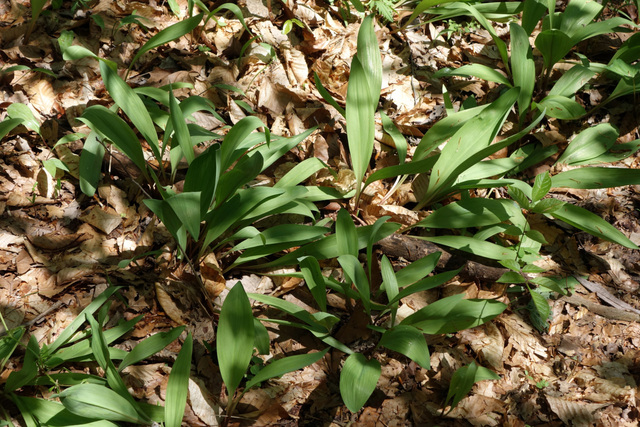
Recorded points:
(247, 168)
(374, 232)
(8, 125)
(262, 340)
(180, 130)
(346, 236)
(532, 13)
(107, 123)
(354, 271)
(234, 144)
(519, 196)
(369, 55)
(424, 5)
(97, 402)
(591, 223)
(390, 284)
(546, 206)
(178, 385)
(522, 67)
(500, 44)
(8, 344)
(294, 310)
(90, 167)
(285, 365)
(572, 81)
(424, 285)
(235, 338)
(589, 144)
(453, 314)
(605, 26)
(187, 209)
(132, 106)
(245, 201)
(203, 176)
(276, 239)
(549, 284)
(232, 7)
(150, 346)
(511, 277)
(541, 305)
(69, 379)
(398, 139)
(360, 120)
(22, 112)
(301, 172)
(358, 380)
(29, 370)
(475, 70)
(541, 186)
(52, 414)
(474, 246)
(554, 45)
(169, 218)
(578, 14)
(629, 51)
(409, 341)
(463, 379)
(561, 107)
(475, 212)
(167, 35)
(594, 177)
(326, 248)
(315, 281)
(475, 135)
(417, 269)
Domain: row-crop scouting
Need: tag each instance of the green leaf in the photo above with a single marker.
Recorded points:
(541, 305)
(235, 143)
(51, 413)
(474, 246)
(463, 379)
(262, 339)
(546, 206)
(474, 70)
(475, 212)
(132, 106)
(593, 177)
(285, 365)
(572, 81)
(398, 139)
(181, 132)
(107, 123)
(589, 144)
(453, 314)
(390, 284)
(203, 175)
(301, 172)
(541, 186)
(354, 271)
(554, 45)
(23, 113)
(97, 402)
(187, 208)
(8, 125)
(167, 35)
(358, 380)
(549, 284)
(591, 223)
(8, 344)
(315, 281)
(90, 167)
(346, 234)
(29, 369)
(417, 269)
(561, 107)
(234, 344)
(522, 67)
(424, 285)
(360, 120)
(178, 385)
(511, 277)
(409, 341)
(519, 196)
(150, 346)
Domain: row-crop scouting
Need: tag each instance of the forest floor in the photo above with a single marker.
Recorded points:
(59, 248)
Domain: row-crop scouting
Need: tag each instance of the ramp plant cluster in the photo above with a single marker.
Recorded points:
(218, 208)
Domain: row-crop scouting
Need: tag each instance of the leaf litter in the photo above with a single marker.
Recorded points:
(57, 247)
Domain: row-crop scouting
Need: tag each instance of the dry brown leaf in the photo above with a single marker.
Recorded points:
(574, 413)
(105, 220)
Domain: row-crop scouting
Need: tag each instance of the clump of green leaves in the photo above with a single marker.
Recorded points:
(86, 398)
